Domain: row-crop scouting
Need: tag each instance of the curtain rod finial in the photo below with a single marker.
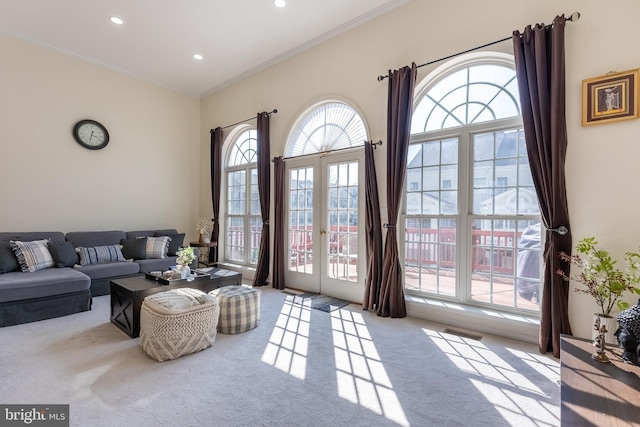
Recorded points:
(574, 17)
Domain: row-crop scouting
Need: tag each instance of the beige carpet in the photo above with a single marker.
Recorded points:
(300, 367)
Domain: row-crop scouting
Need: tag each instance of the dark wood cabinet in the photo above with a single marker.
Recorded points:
(595, 393)
(127, 295)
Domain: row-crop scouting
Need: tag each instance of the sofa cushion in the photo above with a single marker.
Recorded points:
(18, 286)
(95, 238)
(157, 247)
(159, 264)
(8, 260)
(113, 269)
(177, 240)
(150, 233)
(134, 248)
(64, 254)
(32, 256)
(100, 254)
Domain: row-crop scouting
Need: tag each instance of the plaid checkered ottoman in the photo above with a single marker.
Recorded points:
(239, 308)
(178, 322)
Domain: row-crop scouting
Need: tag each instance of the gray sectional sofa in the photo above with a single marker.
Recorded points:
(76, 275)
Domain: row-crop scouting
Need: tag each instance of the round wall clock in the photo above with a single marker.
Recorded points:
(91, 134)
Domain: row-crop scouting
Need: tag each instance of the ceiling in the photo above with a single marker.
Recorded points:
(236, 37)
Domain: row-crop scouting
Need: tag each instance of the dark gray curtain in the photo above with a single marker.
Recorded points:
(373, 226)
(264, 187)
(280, 226)
(539, 57)
(216, 172)
(399, 111)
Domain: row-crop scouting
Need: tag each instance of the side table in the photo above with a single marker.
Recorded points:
(209, 253)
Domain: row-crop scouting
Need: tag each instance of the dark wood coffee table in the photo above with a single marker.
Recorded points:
(127, 295)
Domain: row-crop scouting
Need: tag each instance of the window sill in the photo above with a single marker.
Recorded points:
(247, 272)
(514, 326)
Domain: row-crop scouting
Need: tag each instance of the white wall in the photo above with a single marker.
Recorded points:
(601, 164)
(147, 177)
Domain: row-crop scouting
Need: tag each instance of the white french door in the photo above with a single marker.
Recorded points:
(326, 246)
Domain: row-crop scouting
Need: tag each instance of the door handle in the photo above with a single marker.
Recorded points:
(322, 232)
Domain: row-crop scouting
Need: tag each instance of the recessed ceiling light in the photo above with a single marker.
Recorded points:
(279, 3)
(116, 20)
(197, 56)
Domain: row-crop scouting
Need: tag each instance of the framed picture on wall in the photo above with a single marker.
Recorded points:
(612, 97)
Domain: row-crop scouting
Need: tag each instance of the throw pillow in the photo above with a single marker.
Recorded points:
(100, 254)
(157, 247)
(134, 248)
(63, 253)
(32, 256)
(176, 242)
(8, 260)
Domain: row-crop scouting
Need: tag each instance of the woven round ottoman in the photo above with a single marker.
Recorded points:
(239, 308)
(178, 322)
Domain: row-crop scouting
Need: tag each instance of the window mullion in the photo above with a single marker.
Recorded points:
(465, 185)
(247, 215)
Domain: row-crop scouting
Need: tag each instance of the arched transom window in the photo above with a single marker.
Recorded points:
(330, 126)
(474, 94)
(245, 149)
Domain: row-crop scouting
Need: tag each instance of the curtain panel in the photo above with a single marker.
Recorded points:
(264, 187)
(540, 69)
(280, 226)
(399, 112)
(373, 225)
(216, 174)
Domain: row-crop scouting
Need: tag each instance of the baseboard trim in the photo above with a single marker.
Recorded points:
(480, 320)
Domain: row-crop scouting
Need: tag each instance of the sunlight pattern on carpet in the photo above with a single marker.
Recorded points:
(360, 374)
(320, 302)
(513, 395)
(539, 363)
(289, 341)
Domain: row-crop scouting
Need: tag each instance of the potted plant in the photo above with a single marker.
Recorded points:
(204, 227)
(186, 255)
(603, 280)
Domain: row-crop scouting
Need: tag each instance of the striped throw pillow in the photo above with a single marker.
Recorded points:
(100, 254)
(32, 256)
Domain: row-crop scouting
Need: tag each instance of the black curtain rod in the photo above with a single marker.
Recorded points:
(246, 120)
(322, 153)
(574, 17)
